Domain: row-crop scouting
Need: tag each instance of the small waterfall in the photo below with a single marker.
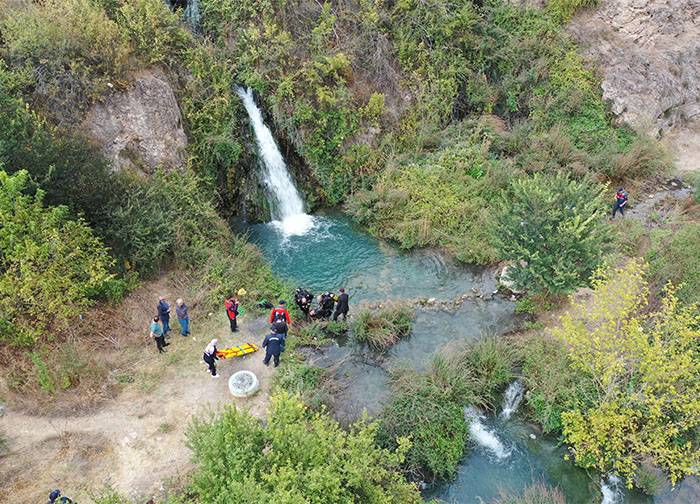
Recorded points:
(286, 204)
(611, 487)
(512, 398)
(483, 436)
(192, 15)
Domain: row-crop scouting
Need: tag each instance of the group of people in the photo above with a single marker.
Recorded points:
(160, 325)
(328, 304)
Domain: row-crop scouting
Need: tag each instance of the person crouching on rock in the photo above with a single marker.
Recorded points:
(273, 348)
(210, 357)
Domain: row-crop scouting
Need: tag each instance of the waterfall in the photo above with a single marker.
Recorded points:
(286, 204)
(511, 399)
(482, 436)
(611, 489)
(192, 14)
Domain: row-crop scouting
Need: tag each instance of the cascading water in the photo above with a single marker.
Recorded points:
(286, 204)
(611, 488)
(511, 399)
(482, 436)
(192, 15)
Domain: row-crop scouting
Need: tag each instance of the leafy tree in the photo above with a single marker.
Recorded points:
(552, 228)
(50, 266)
(645, 364)
(298, 457)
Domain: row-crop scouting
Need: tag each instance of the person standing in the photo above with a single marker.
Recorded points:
(280, 319)
(158, 335)
(164, 314)
(231, 305)
(620, 202)
(342, 307)
(210, 357)
(183, 317)
(273, 348)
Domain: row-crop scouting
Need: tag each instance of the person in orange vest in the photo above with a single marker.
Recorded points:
(231, 305)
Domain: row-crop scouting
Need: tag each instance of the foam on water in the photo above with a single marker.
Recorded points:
(512, 398)
(611, 489)
(483, 436)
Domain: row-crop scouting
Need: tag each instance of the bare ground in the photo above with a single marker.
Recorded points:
(136, 443)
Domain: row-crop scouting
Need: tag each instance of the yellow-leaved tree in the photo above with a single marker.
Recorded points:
(645, 363)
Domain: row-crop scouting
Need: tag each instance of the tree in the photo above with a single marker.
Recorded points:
(552, 229)
(298, 457)
(646, 366)
(50, 266)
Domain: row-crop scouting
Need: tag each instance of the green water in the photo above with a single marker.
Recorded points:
(336, 253)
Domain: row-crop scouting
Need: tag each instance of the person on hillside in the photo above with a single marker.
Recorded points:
(620, 202)
(273, 348)
(280, 319)
(56, 497)
(231, 305)
(210, 357)
(158, 335)
(164, 314)
(183, 317)
(342, 307)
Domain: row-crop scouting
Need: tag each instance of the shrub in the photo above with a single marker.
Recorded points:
(317, 333)
(299, 457)
(552, 228)
(50, 265)
(564, 10)
(645, 365)
(308, 382)
(534, 494)
(674, 258)
(384, 328)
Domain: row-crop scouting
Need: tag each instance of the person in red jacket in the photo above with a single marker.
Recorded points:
(231, 305)
(280, 319)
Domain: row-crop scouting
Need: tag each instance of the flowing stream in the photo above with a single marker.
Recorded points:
(458, 302)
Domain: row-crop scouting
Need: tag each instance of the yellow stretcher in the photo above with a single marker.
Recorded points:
(237, 351)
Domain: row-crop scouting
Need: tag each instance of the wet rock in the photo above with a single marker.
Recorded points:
(431, 301)
(505, 282)
(140, 128)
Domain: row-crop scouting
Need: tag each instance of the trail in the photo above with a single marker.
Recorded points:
(136, 443)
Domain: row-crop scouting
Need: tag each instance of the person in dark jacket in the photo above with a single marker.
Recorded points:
(163, 309)
(183, 317)
(231, 305)
(342, 307)
(273, 348)
(56, 497)
(210, 357)
(620, 202)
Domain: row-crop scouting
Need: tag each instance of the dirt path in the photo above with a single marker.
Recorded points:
(136, 443)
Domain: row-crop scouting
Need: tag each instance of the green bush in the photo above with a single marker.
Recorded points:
(298, 457)
(317, 333)
(673, 257)
(564, 10)
(308, 382)
(552, 229)
(383, 328)
(50, 265)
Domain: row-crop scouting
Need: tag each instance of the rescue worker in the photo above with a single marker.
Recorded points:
(158, 335)
(620, 202)
(280, 319)
(210, 357)
(342, 307)
(56, 497)
(183, 317)
(303, 298)
(273, 348)
(163, 309)
(231, 305)
(326, 301)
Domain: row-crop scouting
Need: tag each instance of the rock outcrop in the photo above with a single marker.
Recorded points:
(140, 128)
(649, 54)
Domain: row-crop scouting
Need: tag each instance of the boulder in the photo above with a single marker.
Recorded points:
(140, 128)
(505, 281)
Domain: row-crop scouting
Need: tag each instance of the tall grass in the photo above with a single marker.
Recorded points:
(538, 493)
(382, 329)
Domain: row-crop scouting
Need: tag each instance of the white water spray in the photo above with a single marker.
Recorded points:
(611, 487)
(192, 13)
(286, 204)
(483, 436)
(512, 398)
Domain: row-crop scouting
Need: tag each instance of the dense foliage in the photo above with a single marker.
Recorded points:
(51, 267)
(299, 456)
(553, 231)
(383, 328)
(674, 258)
(628, 391)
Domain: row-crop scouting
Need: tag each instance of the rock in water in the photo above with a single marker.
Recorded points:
(141, 127)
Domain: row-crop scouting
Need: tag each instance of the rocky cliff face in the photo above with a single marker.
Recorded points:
(140, 128)
(649, 54)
